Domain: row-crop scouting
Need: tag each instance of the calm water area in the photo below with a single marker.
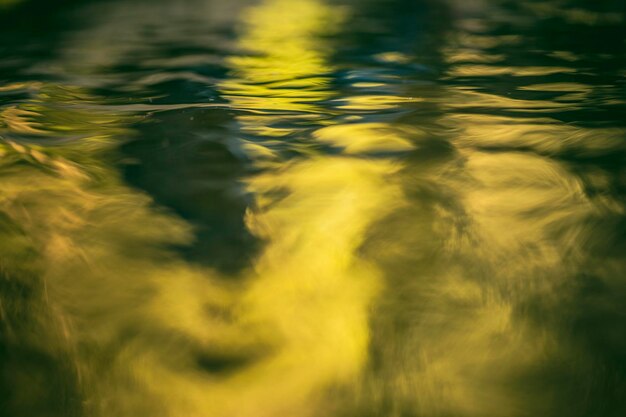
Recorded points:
(313, 208)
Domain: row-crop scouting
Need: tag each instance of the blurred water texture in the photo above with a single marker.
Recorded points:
(272, 208)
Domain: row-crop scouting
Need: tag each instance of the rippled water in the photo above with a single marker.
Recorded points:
(274, 208)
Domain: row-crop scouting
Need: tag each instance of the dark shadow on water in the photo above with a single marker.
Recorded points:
(183, 159)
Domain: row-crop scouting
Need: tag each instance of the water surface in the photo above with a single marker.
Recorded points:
(268, 208)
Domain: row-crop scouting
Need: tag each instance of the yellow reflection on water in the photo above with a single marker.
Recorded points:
(496, 224)
(466, 97)
(472, 56)
(78, 240)
(144, 332)
(367, 102)
(312, 289)
(363, 138)
(308, 293)
(284, 66)
(543, 135)
(468, 70)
